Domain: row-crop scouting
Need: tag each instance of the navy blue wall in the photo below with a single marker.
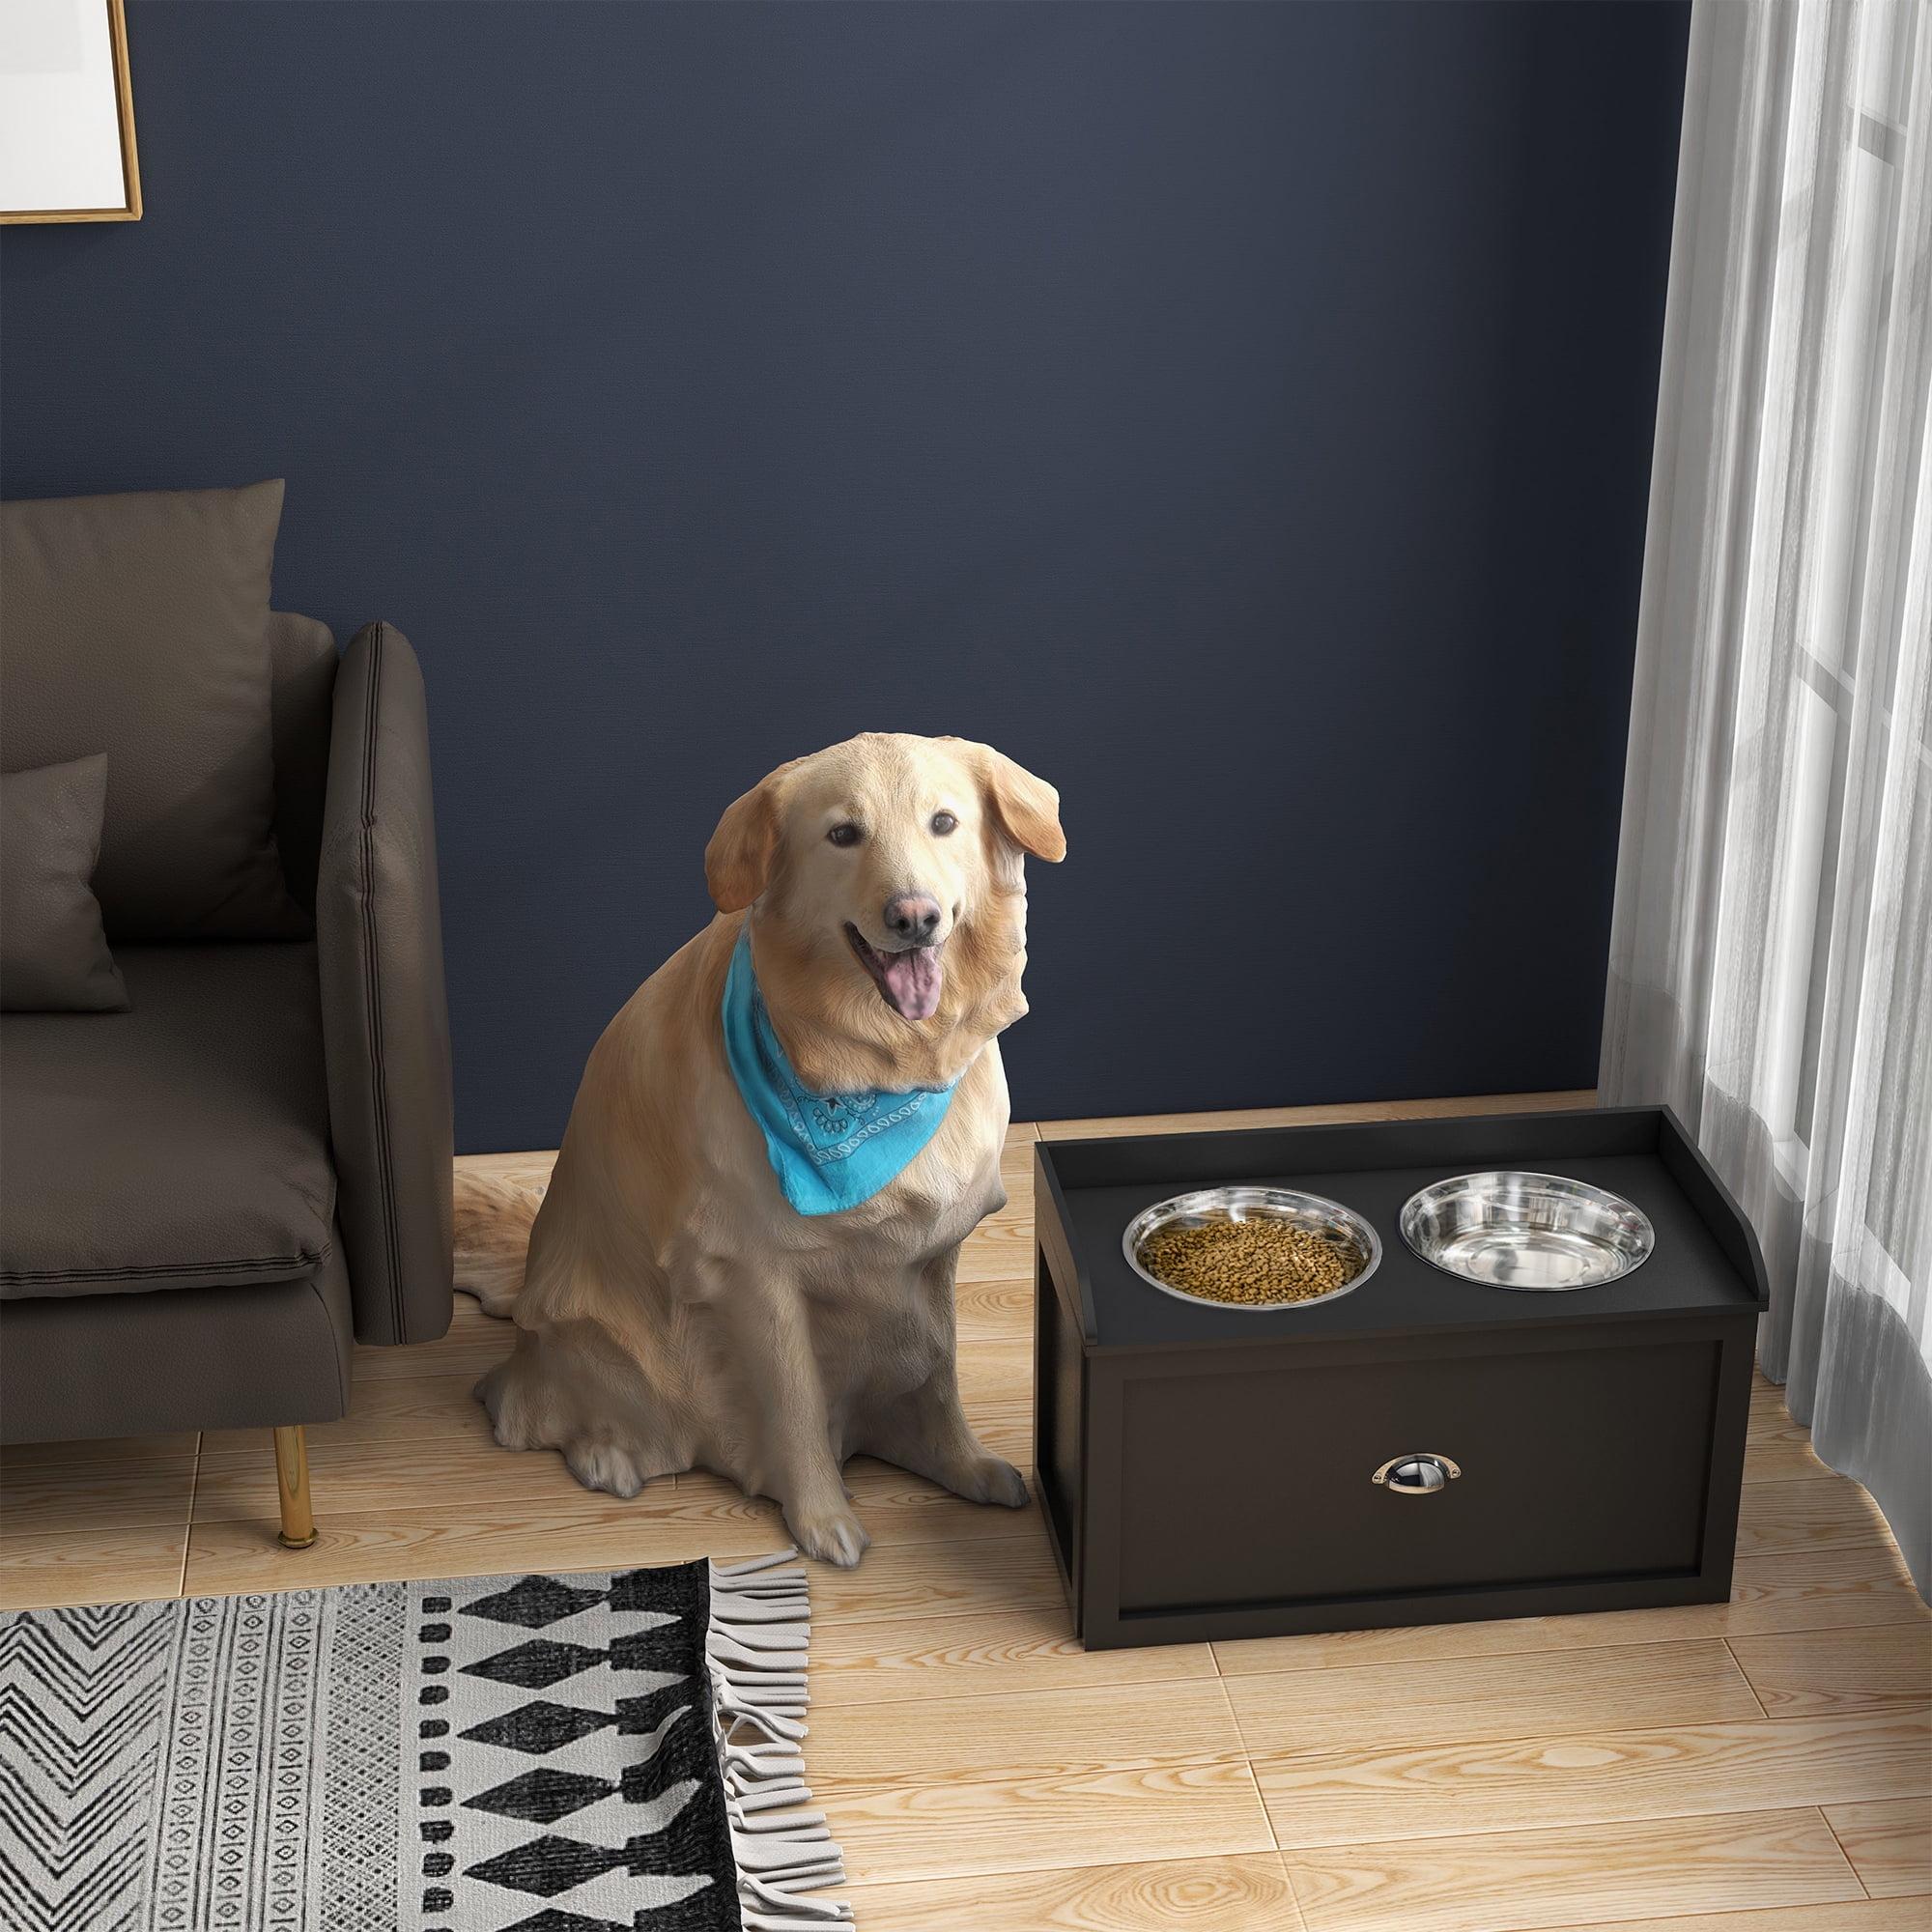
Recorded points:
(1240, 414)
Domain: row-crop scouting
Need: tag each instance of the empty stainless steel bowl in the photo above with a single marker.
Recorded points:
(1528, 1231)
(1329, 1219)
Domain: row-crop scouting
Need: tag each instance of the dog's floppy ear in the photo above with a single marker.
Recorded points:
(1027, 808)
(738, 860)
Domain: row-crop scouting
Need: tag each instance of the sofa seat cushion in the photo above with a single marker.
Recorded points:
(184, 1144)
(77, 1366)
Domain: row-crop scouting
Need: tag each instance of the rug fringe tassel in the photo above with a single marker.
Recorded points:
(756, 1647)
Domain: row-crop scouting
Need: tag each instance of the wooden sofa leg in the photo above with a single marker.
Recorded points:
(292, 1485)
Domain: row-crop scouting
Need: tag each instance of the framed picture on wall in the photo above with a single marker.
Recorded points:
(67, 113)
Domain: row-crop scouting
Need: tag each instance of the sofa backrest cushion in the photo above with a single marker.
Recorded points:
(301, 659)
(135, 625)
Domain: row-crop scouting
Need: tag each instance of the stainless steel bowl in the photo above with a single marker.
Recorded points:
(1329, 1219)
(1528, 1231)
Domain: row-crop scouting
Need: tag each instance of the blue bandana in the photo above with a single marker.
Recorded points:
(829, 1150)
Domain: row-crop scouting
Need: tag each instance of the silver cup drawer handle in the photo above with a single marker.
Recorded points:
(1417, 1475)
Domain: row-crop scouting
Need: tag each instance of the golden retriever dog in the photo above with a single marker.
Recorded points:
(675, 1311)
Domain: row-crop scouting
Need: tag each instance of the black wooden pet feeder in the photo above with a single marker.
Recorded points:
(1423, 1446)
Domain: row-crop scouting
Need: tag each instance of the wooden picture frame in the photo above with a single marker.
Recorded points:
(59, 121)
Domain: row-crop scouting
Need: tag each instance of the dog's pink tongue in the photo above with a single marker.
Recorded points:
(912, 980)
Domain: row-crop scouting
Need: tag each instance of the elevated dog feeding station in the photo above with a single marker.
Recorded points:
(1431, 1444)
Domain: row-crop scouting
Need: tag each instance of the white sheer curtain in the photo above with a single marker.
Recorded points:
(1771, 960)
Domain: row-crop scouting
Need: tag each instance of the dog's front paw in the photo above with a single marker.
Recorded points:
(604, 1465)
(994, 1481)
(833, 1536)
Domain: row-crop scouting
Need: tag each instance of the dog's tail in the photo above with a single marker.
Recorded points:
(494, 1216)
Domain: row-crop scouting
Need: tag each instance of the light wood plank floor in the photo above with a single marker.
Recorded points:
(1759, 1765)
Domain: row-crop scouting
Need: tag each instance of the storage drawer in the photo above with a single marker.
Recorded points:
(1257, 1488)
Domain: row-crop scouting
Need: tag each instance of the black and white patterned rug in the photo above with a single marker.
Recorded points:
(608, 1752)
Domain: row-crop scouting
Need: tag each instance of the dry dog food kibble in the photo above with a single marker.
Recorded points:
(1251, 1262)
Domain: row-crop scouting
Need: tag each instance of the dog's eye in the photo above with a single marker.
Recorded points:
(846, 834)
(944, 822)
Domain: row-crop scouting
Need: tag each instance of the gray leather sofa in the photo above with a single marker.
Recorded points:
(207, 1199)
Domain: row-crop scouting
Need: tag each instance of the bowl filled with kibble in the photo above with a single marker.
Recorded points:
(1262, 1249)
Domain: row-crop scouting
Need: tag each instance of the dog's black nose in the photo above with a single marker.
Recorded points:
(913, 916)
